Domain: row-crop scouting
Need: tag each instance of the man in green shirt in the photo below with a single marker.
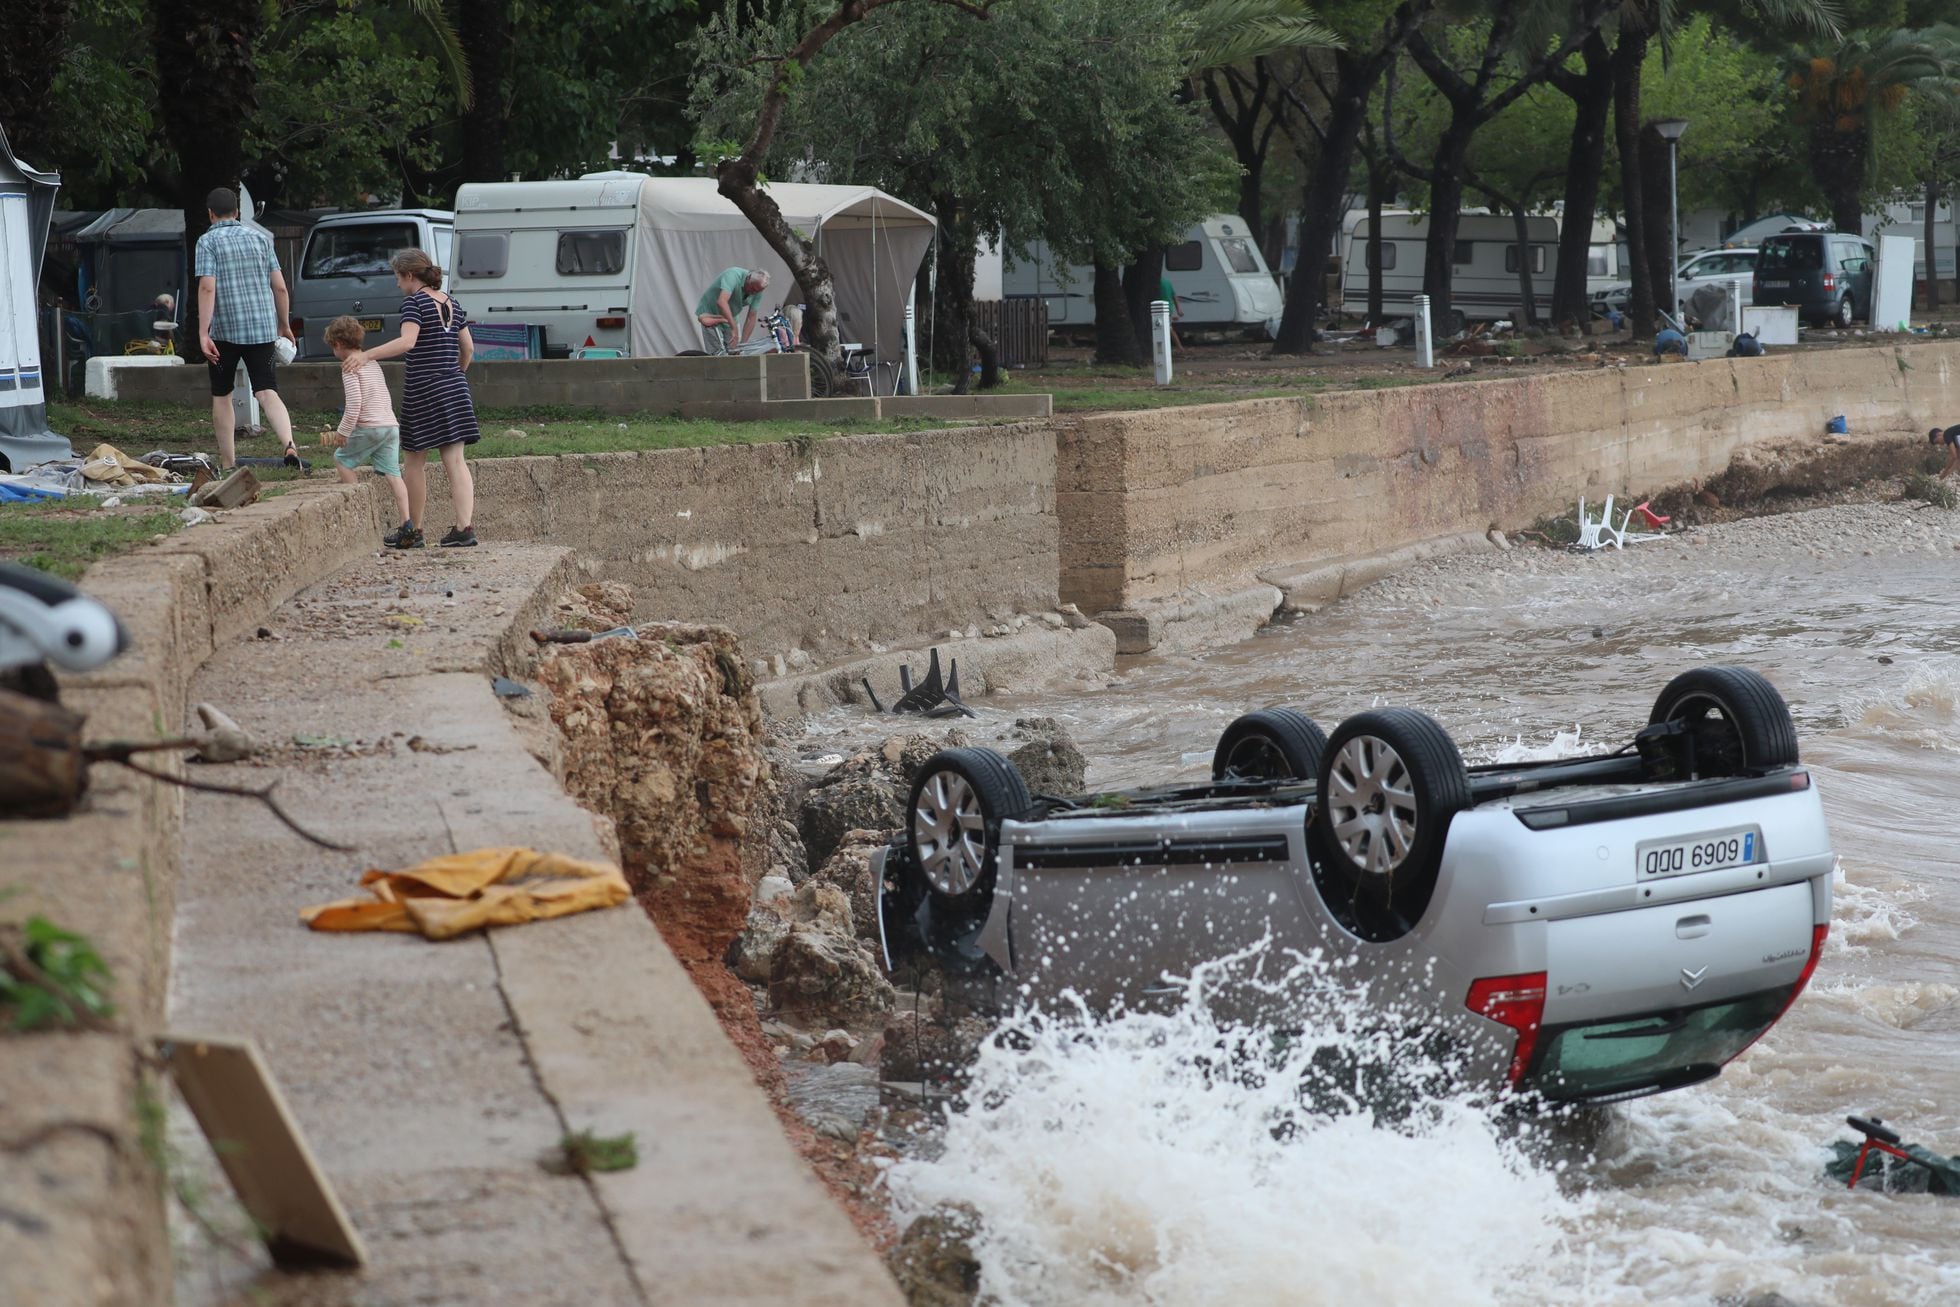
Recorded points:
(717, 311)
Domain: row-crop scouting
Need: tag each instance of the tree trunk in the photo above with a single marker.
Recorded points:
(1527, 298)
(42, 771)
(208, 91)
(1116, 339)
(1142, 281)
(1592, 103)
(1932, 256)
(1629, 52)
(989, 353)
(1838, 162)
(1320, 208)
(484, 30)
(1445, 210)
(1663, 242)
(737, 181)
(952, 318)
(1379, 178)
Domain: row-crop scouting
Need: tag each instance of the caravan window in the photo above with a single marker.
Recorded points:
(1387, 249)
(482, 253)
(1511, 258)
(1462, 254)
(591, 253)
(1238, 255)
(1596, 261)
(356, 249)
(1188, 257)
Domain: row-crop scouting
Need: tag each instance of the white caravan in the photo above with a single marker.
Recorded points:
(1484, 276)
(26, 206)
(1217, 273)
(615, 261)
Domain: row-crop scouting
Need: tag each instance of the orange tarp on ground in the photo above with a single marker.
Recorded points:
(460, 892)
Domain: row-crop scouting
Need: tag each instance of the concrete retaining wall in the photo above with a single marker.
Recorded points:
(825, 548)
(621, 386)
(1177, 519)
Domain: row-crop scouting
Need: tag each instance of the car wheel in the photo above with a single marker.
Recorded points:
(1390, 783)
(953, 821)
(1276, 744)
(1736, 720)
(823, 381)
(1845, 312)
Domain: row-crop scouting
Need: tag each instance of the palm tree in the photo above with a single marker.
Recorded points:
(1842, 95)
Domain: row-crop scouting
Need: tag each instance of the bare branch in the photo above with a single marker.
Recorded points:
(263, 796)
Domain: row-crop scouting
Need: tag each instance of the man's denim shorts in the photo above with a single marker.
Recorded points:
(377, 447)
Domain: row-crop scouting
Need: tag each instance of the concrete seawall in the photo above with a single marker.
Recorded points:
(1184, 526)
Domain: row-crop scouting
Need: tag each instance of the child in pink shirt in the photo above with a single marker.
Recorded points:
(368, 434)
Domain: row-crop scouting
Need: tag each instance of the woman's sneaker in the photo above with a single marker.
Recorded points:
(455, 539)
(406, 536)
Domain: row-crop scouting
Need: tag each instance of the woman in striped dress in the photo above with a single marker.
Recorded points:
(437, 412)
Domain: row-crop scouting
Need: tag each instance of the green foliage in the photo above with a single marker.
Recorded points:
(586, 1152)
(58, 537)
(1732, 97)
(64, 981)
(1931, 490)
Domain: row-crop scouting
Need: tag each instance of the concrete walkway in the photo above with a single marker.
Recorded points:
(431, 1079)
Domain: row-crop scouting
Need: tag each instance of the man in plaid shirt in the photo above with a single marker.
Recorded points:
(241, 309)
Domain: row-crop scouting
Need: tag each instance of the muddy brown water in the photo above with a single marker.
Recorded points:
(1715, 1192)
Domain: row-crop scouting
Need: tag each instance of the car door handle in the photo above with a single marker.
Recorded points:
(1693, 927)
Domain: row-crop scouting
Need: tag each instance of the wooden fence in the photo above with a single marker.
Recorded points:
(1019, 327)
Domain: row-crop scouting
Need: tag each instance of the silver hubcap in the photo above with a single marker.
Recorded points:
(1371, 804)
(949, 833)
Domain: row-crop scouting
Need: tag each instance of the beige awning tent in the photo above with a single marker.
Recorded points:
(688, 232)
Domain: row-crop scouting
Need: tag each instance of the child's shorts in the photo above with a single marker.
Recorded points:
(377, 447)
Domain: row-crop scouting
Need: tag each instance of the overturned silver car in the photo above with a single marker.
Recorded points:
(1588, 929)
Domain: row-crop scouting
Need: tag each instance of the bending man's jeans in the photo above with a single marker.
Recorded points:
(717, 340)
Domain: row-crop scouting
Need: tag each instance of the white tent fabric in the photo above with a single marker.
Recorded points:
(26, 204)
(688, 233)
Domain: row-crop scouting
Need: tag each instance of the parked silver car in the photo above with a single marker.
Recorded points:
(1708, 268)
(1584, 930)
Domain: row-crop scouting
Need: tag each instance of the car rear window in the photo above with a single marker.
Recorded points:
(1791, 254)
(1589, 1061)
(355, 249)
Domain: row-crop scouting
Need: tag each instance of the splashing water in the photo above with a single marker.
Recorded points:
(1165, 1158)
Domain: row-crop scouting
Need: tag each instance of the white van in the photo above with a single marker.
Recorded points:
(343, 269)
(1484, 279)
(1217, 272)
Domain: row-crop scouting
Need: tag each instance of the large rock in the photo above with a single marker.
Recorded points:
(867, 791)
(922, 1046)
(933, 1261)
(822, 975)
(849, 870)
(1049, 762)
(815, 905)
(775, 845)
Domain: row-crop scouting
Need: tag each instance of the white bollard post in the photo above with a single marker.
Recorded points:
(1735, 298)
(911, 354)
(1160, 339)
(244, 404)
(1425, 346)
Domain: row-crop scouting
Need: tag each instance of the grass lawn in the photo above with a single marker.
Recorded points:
(65, 536)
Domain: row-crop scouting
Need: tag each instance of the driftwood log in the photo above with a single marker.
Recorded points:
(43, 766)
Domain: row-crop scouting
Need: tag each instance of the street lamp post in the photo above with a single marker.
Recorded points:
(1671, 130)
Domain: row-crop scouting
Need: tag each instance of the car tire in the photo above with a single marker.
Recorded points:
(1737, 720)
(953, 817)
(1847, 313)
(1274, 744)
(1390, 783)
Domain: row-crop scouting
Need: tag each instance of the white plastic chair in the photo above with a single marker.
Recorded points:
(1597, 535)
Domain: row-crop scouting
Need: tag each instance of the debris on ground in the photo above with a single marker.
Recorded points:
(458, 893)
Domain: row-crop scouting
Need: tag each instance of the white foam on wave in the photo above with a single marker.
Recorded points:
(1924, 710)
(1113, 1161)
(1864, 915)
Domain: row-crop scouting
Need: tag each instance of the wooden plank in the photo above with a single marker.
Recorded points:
(231, 1093)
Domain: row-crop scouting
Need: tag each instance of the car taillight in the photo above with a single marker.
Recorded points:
(613, 324)
(1830, 281)
(1514, 1001)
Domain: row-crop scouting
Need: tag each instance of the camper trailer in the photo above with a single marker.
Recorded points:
(26, 205)
(1219, 275)
(1484, 278)
(614, 261)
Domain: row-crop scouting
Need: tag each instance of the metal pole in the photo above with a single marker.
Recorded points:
(911, 352)
(1674, 230)
(1425, 345)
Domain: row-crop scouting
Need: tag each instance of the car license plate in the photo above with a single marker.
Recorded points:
(1774, 285)
(1714, 850)
(370, 324)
